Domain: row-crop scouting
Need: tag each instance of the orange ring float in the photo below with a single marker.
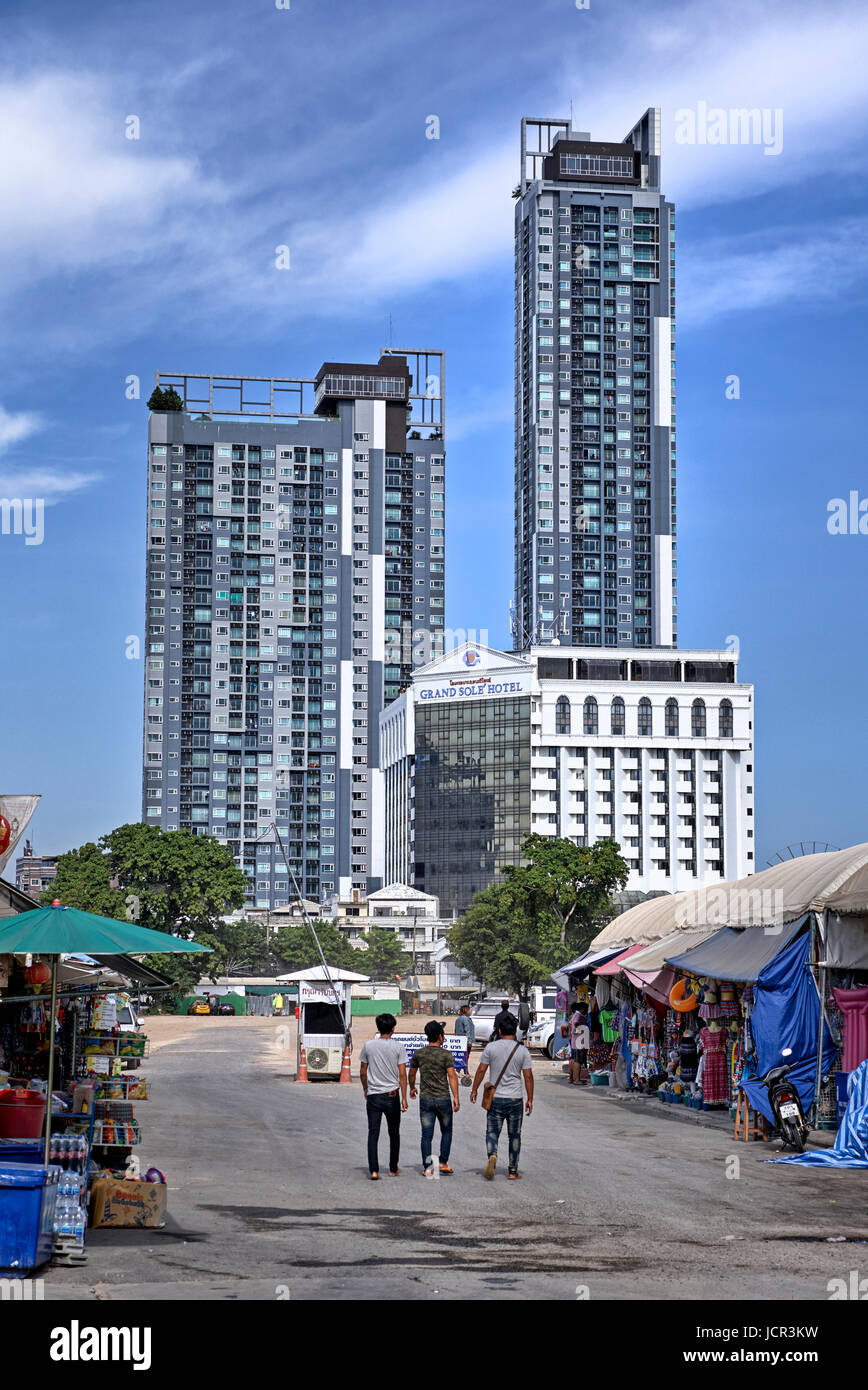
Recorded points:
(677, 1000)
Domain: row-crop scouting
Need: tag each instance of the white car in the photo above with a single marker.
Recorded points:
(482, 1015)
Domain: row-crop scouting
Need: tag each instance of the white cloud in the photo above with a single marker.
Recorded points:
(809, 65)
(152, 230)
(44, 483)
(790, 265)
(76, 193)
(15, 427)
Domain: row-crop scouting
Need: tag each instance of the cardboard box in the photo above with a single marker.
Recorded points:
(119, 1202)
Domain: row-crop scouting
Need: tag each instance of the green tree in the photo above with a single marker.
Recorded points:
(295, 948)
(505, 940)
(516, 932)
(178, 882)
(170, 881)
(167, 399)
(573, 882)
(237, 948)
(385, 957)
(83, 880)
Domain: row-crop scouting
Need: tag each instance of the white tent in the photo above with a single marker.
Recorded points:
(836, 880)
(316, 972)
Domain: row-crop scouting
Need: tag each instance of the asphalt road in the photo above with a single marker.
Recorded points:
(269, 1198)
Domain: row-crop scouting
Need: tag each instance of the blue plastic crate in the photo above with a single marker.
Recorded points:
(21, 1151)
(28, 1194)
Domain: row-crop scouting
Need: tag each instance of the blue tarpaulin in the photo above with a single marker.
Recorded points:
(851, 1143)
(737, 954)
(786, 1013)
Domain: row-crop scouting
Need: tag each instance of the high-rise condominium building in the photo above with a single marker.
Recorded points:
(594, 390)
(295, 574)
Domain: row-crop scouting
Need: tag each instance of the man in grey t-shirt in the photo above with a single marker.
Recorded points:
(511, 1065)
(384, 1078)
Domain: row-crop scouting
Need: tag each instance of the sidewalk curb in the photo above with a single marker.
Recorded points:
(721, 1121)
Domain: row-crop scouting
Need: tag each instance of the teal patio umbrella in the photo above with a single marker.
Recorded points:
(58, 931)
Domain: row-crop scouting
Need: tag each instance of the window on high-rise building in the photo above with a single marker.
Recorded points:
(618, 719)
(725, 719)
(697, 719)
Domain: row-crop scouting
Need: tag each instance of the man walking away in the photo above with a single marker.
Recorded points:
(384, 1079)
(464, 1028)
(510, 1063)
(438, 1095)
(498, 1018)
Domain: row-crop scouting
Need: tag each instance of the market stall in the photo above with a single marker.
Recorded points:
(745, 925)
(70, 1080)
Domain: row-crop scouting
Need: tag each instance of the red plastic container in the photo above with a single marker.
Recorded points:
(22, 1114)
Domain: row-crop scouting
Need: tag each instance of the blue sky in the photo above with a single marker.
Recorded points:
(261, 127)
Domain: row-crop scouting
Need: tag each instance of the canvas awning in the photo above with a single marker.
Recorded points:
(732, 954)
(583, 962)
(650, 959)
(616, 964)
(316, 972)
(777, 895)
(846, 943)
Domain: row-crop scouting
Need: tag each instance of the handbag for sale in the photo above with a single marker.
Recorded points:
(490, 1087)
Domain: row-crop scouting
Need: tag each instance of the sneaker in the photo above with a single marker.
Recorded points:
(488, 1171)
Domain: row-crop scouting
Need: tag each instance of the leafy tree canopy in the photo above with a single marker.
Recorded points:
(295, 948)
(237, 948)
(165, 399)
(515, 933)
(385, 957)
(168, 880)
(572, 882)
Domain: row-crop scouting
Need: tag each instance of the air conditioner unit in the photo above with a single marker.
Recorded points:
(325, 1053)
(324, 1061)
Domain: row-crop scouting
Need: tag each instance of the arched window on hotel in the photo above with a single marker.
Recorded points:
(562, 715)
(697, 719)
(592, 722)
(645, 724)
(618, 715)
(671, 718)
(725, 719)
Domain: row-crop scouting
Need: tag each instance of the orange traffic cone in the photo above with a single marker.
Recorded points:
(302, 1066)
(345, 1077)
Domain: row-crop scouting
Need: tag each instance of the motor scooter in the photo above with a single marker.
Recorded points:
(786, 1105)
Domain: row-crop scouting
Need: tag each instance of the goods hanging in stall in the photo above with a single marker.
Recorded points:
(66, 1088)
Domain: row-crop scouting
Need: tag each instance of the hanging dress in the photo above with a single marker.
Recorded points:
(688, 1059)
(715, 1076)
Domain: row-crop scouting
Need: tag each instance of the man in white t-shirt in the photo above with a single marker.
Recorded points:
(384, 1080)
(511, 1066)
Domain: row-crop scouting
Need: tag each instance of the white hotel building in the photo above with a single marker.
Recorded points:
(652, 748)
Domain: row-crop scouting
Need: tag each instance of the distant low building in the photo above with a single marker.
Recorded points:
(35, 872)
(413, 916)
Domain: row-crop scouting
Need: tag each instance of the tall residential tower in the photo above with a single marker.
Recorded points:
(594, 390)
(295, 576)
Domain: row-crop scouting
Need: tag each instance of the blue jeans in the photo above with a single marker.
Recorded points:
(429, 1112)
(511, 1111)
(379, 1105)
